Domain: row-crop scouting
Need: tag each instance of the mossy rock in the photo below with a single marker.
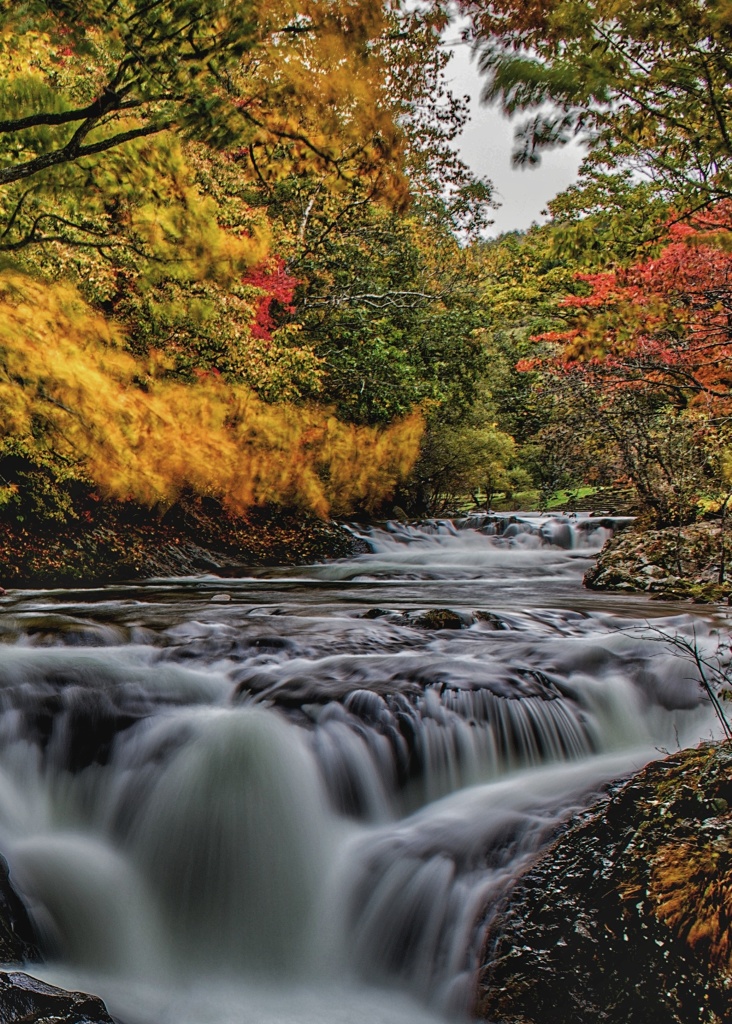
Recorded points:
(676, 563)
(493, 620)
(625, 919)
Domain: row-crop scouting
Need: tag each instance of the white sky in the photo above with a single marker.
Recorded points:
(486, 146)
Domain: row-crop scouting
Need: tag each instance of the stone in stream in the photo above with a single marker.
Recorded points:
(24, 999)
(557, 532)
(18, 942)
(625, 919)
(439, 618)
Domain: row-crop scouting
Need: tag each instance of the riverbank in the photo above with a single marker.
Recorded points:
(675, 563)
(106, 542)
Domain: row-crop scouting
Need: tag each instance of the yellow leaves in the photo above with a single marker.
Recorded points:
(725, 466)
(19, 51)
(66, 385)
(314, 99)
(690, 890)
(169, 217)
(187, 244)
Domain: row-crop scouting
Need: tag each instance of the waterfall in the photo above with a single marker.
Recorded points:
(304, 803)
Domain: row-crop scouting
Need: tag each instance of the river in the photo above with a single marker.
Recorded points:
(292, 797)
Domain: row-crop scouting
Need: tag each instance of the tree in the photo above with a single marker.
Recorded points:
(300, 78)
(71, 392)
(137, 137)
(664, 325)
(644, 83)
(646, 354)
(460, 460)
(391, 306)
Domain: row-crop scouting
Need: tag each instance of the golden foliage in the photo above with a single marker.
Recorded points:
(690, 888)
(305, 84)
(68, 385)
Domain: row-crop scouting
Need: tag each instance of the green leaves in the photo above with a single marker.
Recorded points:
(642, 83)
(391, 305)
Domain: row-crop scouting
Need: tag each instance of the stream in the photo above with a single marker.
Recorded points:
(297, 797)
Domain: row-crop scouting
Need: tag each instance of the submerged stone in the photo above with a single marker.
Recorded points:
(439, 618)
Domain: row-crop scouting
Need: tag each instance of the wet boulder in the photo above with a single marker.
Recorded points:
(439, 618)
(26, 1000)
(557, 532)
(625, 919)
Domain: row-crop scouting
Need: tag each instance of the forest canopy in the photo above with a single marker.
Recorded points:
(240, 253)
(165, 167)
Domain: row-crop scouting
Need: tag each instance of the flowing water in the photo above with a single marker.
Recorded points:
(294, 797)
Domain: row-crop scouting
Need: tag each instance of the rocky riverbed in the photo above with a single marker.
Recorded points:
(672, 563)
(624, 914)
(624, 918)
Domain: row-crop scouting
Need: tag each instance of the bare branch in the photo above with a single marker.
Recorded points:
(379, 300)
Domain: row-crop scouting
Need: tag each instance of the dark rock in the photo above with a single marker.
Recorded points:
(232, 571)
(206, 565)
(18, 941)
(26, 1000)
(491, 618)
(375, 613)
(625, 919)
(557, 532)
(439, 618)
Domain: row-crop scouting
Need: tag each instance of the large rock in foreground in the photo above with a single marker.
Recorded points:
(26, 1000)
(626, 918)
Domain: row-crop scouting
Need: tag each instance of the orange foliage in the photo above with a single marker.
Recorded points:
(690, 893)
(665, 323)
(67, 385)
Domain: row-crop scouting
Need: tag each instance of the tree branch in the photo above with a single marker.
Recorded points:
(73, 150)
(378, 300)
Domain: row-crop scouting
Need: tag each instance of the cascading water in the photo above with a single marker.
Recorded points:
(303, 802)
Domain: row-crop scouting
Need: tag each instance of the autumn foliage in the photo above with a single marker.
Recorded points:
(148, 338)
(69, 387)
(275, 287)
(664, 324)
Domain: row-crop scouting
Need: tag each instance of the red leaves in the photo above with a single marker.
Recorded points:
(277, 286)
(665, 323)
